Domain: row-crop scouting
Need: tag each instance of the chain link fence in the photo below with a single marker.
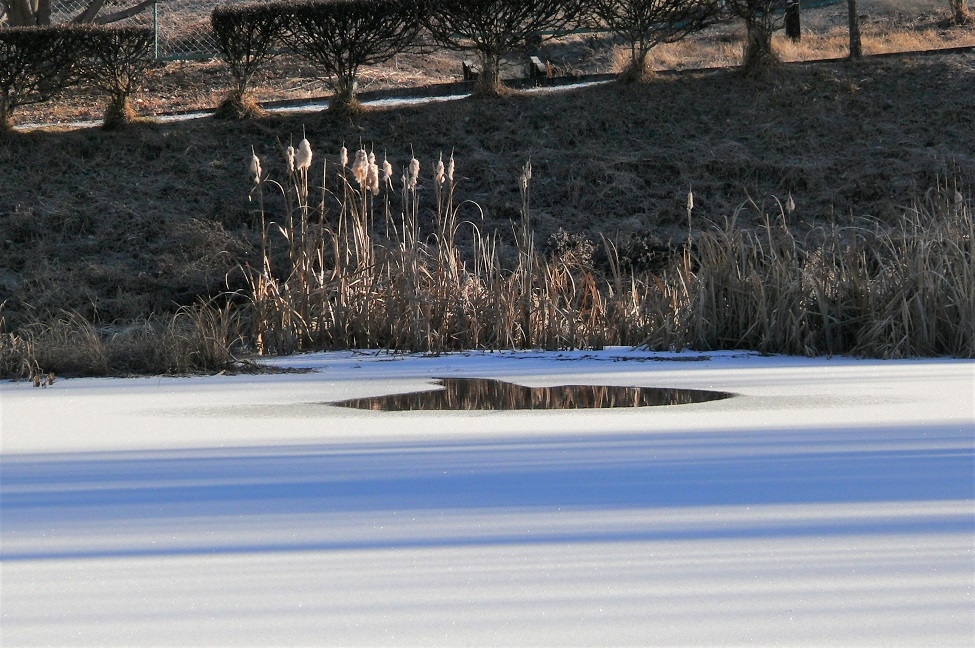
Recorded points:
(181, 27)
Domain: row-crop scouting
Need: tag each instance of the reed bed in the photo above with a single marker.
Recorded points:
(367, 265)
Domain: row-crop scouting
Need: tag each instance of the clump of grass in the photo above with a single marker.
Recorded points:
(16, 354)
(199, 338)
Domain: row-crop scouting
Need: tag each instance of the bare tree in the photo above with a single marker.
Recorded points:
(856, 47)
(496, 28)
(761, 22)
(340, 36)
(644, 24)
(32, 13)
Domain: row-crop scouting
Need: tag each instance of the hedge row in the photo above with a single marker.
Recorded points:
(336, 36)
(340, 36)
(36, 63)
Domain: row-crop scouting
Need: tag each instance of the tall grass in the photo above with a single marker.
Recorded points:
(198, 338)
(350, 271)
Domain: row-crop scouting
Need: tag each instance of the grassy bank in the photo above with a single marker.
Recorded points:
(118, 227)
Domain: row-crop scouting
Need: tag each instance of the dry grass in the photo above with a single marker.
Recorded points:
(194, 339)
(350, 271)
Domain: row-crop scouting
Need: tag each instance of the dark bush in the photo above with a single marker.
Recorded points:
(35, 64)
(116, 61)
(496, 28)
(644, 24)
(761, 21)
(340, 36)
(245, 37)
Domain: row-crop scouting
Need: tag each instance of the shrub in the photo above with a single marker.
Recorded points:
(760, 22)
(340, 36)
(245, 36)
(116, 61)
(35, 64)
(496, 28)
(643, 24)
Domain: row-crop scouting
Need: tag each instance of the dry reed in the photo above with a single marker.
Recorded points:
(330, 277)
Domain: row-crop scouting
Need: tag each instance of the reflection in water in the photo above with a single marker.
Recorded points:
(484, 394)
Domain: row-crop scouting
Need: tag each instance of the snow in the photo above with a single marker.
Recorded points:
(829, 503)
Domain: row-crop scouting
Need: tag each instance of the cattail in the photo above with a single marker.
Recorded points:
(790, 204)
(413, 172)
(255, 168)
(372, 178)
(959, 200)
(526, 175)
(438, 172)
(690, 200)
(450, 169)
(360, 168)
(387, 170)
(303, 156)
(290, 152)
(343, 156)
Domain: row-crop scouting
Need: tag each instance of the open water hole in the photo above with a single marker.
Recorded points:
(486, 394)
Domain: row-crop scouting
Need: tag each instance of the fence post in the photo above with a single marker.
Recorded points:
(155, 30)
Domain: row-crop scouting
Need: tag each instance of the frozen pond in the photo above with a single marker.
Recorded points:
(830, 502)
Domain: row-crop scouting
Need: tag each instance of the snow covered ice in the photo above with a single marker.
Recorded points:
(829, 503)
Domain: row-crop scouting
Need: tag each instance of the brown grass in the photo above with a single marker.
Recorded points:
(332, 276)
(198, 338)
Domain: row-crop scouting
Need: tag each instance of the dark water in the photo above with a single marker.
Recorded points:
(484, 394)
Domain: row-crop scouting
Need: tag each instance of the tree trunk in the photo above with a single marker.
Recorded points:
(489, 82)
(856, 47)
(344, 100)
(793, 21)
(959, 12)
(6, 116)
(758, 45)
(638, 69)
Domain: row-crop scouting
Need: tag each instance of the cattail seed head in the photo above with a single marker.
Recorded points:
(360, 168)
(690, 200)
(290, 153)
(438, 172)
(255, 167)
(959, 199)
(450, 169)
(343, 156)
(526, 175)
(303, 156)
(372, 178)
(413, 172)
(790, 204)
(387, 170)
